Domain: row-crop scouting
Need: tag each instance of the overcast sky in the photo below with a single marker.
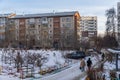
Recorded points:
(85, 7)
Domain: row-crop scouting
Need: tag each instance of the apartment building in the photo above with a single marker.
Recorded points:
(58, 29)
(88, 28)
(2, 26)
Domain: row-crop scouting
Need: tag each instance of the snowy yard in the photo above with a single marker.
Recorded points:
(53, 62)
(53, 65)
(50, 62)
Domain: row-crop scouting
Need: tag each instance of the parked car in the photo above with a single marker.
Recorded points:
(76, 55)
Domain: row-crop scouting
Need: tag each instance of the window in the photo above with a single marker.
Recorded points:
(32, 26)
(39, 20)
(68, 19)
(50, 31)
(45, 25)
(28, 21)
(33, 32)
(68, 25)
(32, 20)
(50, 25)
(63, 25)
(44, 20)
(63, 19)
(39, 26)
(21, 23)
(91, 28)
(91, 33)
(50, 19)
(50, 37)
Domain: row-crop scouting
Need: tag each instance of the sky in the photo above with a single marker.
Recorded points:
(84, 7)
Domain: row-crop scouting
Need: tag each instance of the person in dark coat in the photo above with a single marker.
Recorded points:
(103, 55)
(89, 63)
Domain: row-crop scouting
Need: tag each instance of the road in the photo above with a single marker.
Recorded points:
(72, 73)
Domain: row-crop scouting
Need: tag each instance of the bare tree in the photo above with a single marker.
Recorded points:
(98, 42)
(109, 41)
(110, 24)
(84, 45)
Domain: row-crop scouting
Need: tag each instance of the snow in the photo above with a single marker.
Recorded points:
(111, 65)
(114, 51)
(71, 72)
(55, 59)
(8, 77)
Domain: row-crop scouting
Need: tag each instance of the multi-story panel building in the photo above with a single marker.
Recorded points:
(88, 26)
(5, 28)
(48, 30)
(2, 27)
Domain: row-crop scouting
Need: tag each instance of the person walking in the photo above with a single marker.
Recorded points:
(103, 56)
(82, 65)
(89, 63)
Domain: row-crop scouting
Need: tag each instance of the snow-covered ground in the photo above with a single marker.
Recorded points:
(108, 66)
(69, 69)
(54, 59)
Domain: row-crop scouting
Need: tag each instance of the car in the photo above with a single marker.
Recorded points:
(76, 55)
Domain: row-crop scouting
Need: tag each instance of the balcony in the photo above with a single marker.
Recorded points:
(31, 23)
(44, 22)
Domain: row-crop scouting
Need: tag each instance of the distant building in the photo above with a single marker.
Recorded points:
(60, 29)
(88, 28)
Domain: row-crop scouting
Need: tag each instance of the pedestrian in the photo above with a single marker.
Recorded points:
(89, 63)
(82, 65)
(103, 77)
(103, 56)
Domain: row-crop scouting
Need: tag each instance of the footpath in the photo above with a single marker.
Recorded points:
(84, 74)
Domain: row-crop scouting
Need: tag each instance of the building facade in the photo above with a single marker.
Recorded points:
(59, 30)
(2, 27)
(6, 29)
(88, 28)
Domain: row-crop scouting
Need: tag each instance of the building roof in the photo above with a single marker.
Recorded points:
(3, 15)
(47, 14)
(7, 15)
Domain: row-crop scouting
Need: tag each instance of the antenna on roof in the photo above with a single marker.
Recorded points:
(15, 11)
(53, 11)
(23, 13)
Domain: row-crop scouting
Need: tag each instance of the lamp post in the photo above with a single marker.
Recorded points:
(116, 61)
